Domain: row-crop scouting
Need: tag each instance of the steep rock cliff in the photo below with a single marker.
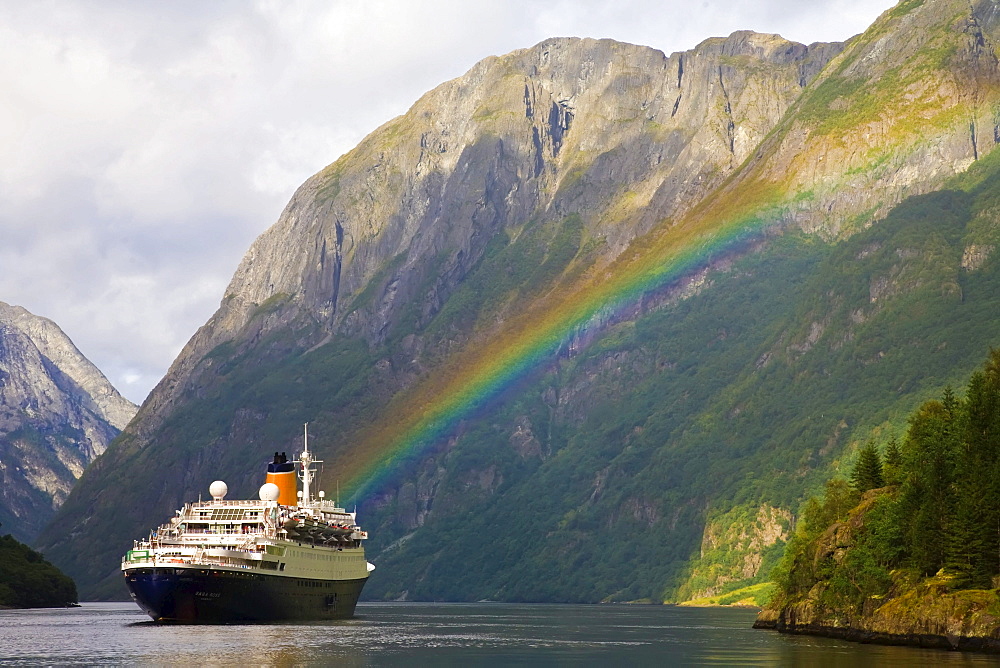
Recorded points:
(616, 134)
(57, 413)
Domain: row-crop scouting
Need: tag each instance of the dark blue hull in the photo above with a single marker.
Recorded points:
(211, 596)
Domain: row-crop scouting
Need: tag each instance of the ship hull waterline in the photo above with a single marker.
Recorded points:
(204, 595)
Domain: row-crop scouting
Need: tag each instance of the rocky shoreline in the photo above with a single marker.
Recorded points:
(925, 616)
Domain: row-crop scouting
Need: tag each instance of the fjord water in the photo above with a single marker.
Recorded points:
(397, 634)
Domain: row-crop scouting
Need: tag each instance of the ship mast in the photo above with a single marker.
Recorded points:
(306, 472)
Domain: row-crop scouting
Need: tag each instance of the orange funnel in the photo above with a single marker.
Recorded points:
(282, 473)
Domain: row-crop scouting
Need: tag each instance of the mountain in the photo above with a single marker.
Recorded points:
(590, 321)
(57, 413)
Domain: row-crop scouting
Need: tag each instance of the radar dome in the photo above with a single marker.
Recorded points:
(269, 492)
(218, 490)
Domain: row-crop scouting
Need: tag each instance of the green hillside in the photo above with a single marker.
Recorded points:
(27, 580)
(728, 399)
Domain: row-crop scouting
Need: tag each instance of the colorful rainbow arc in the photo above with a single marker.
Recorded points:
(481, 375)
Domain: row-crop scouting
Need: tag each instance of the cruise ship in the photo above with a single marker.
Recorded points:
(285, 556)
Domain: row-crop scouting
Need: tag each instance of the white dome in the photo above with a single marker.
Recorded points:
(269, 492)
(218, 490)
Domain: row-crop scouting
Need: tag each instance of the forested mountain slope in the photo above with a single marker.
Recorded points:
(589, 320)
(27, 580)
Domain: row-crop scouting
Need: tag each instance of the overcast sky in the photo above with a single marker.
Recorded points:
(143, 146)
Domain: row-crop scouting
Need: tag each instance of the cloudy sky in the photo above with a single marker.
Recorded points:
(143, 146)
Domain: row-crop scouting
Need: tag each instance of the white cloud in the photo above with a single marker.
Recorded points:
(144, 145)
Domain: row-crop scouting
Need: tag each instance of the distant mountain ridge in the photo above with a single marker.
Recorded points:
(716, 197)
(57, 413)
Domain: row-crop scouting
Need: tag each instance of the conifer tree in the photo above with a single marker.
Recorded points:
(927, 497)
(966, 540)
(867, 472)
(974, 530)
(892, 463)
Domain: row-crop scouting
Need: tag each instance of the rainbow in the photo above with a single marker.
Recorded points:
(756, 196)
(479, 374)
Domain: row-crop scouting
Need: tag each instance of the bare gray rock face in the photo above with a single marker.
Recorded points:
(57, 413)
(598, 129)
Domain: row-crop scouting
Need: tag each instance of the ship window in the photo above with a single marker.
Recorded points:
(223, 514)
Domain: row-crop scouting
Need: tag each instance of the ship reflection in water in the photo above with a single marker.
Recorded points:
(409, 634)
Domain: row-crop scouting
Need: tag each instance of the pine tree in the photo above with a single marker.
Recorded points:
(966, 540)
(974, 530)
(927, 493)
(892, 463)
(867, 472)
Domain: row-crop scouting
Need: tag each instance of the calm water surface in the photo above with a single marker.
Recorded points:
(433, 634)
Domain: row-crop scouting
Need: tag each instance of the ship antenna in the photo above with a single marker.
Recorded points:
(307, 472)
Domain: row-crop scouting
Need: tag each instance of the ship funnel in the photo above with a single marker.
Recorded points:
(281, 473)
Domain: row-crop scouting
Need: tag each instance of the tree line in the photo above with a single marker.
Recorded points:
(929, 505)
